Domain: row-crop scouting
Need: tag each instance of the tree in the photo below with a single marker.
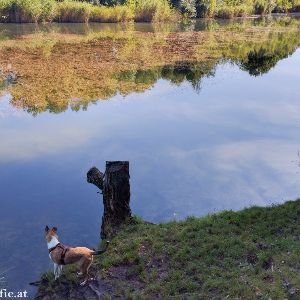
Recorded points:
(206, 8)
(187, 7)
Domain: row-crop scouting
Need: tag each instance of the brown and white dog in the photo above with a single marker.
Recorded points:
(62, 255)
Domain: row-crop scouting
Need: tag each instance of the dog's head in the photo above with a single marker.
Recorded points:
(50, 233)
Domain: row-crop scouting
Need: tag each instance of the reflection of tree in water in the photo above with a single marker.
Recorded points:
(177, 74)
(52, 107)
(260, 61)
(257, 60)
(70, 83)
(190, 72)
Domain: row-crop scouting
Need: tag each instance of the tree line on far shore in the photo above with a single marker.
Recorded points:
(21, 11)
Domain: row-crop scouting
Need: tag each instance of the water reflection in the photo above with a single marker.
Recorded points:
(177, 74)
(260, 61)
(9, 31)
(104, 67)
(188, 155)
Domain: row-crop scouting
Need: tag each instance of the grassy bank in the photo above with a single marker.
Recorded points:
(251, 254)
(22, 11)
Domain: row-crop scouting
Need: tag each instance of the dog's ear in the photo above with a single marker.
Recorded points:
(54, 229)
(46, 228)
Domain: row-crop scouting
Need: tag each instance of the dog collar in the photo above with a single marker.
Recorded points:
(51, 249)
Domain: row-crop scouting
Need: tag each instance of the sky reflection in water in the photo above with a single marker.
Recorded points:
(232, 145)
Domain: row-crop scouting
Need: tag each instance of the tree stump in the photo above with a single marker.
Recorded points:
(115, 187)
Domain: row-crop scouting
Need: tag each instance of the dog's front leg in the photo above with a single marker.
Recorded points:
(56, 271)
(60, 267)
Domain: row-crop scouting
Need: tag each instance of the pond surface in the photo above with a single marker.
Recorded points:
(200, 137)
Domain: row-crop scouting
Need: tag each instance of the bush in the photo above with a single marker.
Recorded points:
(73, 11)
(229, 12)
(296, 5)
(225, 12)
(283, 5)
(108, 2)
(206, 8)
(153, 10)
(77, 11)
(187, 8)
(21, 11)
(263, 7)
(49, 10)
(119, 13)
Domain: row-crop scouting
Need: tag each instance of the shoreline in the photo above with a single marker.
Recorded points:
(250, 254)
(273, 15)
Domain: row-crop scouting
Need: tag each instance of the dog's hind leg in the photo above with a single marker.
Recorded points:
(80, 264)
(92, 258)
(84, 268)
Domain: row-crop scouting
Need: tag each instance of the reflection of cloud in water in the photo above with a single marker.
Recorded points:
(7, 110)
(30, 145)
(189, 153)
(238, 174)
(29, 139)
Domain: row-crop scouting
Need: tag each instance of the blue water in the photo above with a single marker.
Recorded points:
(232, 144)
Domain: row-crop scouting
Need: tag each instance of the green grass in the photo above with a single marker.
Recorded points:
(225, 255)
(249, 254)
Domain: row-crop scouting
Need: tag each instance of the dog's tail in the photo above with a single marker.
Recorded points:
(98, 252)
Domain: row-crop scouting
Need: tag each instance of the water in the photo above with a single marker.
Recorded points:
(228, 140)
